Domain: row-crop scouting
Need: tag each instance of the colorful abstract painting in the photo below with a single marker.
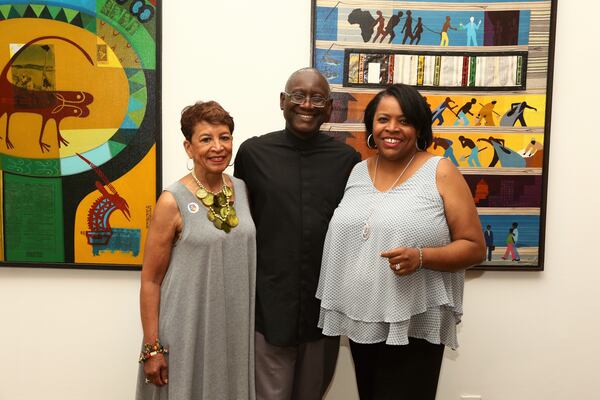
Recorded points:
(80, 124)
(485, 69)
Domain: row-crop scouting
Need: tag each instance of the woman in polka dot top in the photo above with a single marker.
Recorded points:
(392, 274)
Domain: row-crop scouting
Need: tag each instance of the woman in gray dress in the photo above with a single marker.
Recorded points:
(198, 275)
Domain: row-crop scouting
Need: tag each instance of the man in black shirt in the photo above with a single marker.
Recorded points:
(295, 178)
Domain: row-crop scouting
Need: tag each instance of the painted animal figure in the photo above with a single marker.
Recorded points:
(49, 104)
(99, 213)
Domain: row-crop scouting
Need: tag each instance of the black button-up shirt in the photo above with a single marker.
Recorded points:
(294, 186)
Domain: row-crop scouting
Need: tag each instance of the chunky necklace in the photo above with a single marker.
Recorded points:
(366, 230)
(220, 209)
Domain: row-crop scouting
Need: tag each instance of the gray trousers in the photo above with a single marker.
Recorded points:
(301, 372)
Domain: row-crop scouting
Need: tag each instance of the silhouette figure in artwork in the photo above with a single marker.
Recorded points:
(473, 158)
(488, 235)
(533, 147)
(445, 41)
(438, 113)
(515, 113)
(380, 22)
(389, 29)
(407, 28)
(49, 104)
(46, 85)
(471, 29)
(364, 20)
(418, 31)
(486, 113)
(508, 158)
(446, 144)
(515, 232)
(463, 111)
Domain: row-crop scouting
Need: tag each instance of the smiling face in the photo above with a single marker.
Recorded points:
(394, 136)
(305, 119)
(210, 148)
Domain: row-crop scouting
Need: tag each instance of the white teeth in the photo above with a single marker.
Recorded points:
(391, 140)
(306, 117)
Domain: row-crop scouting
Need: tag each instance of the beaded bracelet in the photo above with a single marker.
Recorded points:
(150, 350)
(420, 258)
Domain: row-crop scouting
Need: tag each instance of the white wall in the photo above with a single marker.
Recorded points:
(525, 336)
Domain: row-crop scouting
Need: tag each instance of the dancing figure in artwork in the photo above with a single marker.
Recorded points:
(438, 113)
(473, 158)
(445, 144)
(486, 114)
(515, 113)
(507, 157)
(463, 111)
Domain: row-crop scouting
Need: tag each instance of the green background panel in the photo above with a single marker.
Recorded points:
(33, 214)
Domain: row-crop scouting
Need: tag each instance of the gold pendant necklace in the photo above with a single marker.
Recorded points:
(366, 230)
(220, 210)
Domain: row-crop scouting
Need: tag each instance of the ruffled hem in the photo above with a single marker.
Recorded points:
(436, 325)
(389, 298)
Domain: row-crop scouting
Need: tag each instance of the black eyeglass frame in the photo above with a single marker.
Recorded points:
(310, 99)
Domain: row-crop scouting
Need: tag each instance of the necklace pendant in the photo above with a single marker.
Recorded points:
(201, 193)
(366, 231)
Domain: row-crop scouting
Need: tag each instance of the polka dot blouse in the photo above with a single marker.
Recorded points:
(360, 295)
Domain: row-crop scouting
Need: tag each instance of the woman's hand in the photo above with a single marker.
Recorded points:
(403, 260)
(156, 370)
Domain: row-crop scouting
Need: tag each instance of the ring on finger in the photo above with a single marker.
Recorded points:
(147, 380)
(397, 267)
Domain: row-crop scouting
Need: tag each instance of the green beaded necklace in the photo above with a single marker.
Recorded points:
(220, 209)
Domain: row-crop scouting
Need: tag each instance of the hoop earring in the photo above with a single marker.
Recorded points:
(369, 139)
(187, 164)
(417, 145)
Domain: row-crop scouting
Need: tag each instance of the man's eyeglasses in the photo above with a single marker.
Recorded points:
(300, 98)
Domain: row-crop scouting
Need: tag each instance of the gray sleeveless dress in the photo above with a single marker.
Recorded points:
(207, 306)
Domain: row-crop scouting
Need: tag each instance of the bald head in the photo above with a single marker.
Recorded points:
(299, 74)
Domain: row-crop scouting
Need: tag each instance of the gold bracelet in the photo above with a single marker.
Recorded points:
(420, 258)
(150, 350)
